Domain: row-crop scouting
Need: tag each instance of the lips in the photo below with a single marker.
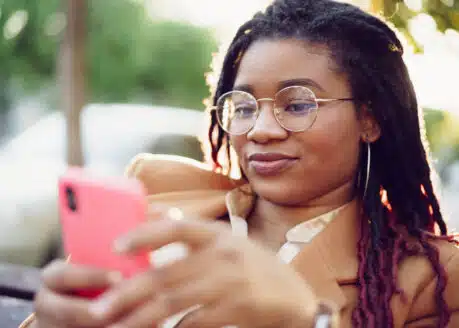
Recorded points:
(270, 163)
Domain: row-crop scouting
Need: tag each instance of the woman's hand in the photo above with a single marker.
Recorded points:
(235, 281)
(54, 305)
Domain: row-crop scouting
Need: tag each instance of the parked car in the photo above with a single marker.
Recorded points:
(112, 134)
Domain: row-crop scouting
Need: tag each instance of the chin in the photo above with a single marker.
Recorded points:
(277, 190)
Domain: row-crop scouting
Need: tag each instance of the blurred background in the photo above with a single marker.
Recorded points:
(90, 82)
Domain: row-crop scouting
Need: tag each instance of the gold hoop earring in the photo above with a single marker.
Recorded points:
(367, 178)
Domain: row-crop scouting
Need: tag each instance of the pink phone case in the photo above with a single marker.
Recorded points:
(94, 212)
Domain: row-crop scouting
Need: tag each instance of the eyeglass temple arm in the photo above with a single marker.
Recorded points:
(335, 99)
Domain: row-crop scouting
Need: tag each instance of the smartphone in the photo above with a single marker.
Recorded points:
(94, 212)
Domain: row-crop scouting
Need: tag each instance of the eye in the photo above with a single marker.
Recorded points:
(243, 111)
(301, 108)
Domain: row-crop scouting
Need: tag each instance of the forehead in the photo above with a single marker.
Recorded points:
(267, 63)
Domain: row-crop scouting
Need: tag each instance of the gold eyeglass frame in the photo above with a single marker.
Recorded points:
(276, 111)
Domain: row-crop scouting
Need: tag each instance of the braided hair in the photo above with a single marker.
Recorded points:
(399, 204)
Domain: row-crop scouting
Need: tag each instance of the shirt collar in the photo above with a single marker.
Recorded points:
(240, 203)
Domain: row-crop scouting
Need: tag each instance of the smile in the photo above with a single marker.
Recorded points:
(270, 163)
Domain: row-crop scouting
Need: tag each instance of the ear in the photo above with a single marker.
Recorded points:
(370, 129)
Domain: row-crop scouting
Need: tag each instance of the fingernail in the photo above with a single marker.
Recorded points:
(168, 254)
(115, 277)
(100, 308)
(175, 213)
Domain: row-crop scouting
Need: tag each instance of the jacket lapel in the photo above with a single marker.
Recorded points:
(330, 260)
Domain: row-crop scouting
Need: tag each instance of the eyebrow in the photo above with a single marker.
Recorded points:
(302, 82)
(284, 84)
(243, 87)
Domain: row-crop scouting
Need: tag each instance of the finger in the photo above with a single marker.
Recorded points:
(139, 289)
(152, 314)
(64, 311)
(157, 210)
(189, 268)
(65, 277)
(125, 296)
(212, 316)
(170, 302)
(142, 317)
(156, 234)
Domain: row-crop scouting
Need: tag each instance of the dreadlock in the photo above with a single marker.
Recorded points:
(399, 204)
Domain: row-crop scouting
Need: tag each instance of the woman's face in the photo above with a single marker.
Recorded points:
(297, 168)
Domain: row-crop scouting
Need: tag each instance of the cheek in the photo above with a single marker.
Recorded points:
(333, 146)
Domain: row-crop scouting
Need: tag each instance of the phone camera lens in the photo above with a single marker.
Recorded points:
(71, 199)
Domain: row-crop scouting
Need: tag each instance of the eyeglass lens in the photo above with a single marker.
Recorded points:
(295, 109)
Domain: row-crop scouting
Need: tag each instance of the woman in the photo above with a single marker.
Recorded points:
(336, 199)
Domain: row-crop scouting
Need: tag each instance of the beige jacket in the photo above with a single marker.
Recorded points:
(201, 192)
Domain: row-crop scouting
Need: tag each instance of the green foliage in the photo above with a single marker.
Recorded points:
(129, 57)
(444, 12)
(31, 52)
(29, 56)
(442, 127)
(442, 130)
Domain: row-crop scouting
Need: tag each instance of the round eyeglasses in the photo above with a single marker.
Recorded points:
(295, 109)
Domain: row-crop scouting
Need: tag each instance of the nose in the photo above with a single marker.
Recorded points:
(266, 128)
